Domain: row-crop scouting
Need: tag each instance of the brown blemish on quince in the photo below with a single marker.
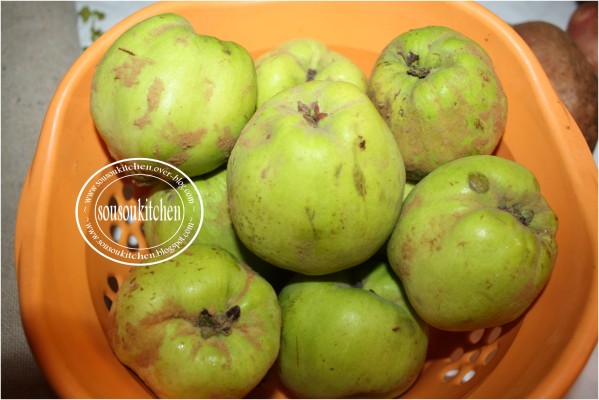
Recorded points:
(178, 159)
(226, 141)
(478, 124)
(484, 76)
(405, 251)
(362, 143)
(403, 269)
(264, 172)
(221, 346)
(304, 250)
(249, 279)
(359, 181)
(481, 143)
(187, 140)
(94, 85)
(252, 334)
(164, 28)
(153, 100)
(358, 175)
(128, 72)
(209, 91)
(434, 244)
(182, 40)
(311, 213)
(415, 202)
(135, 339)
(383, 106)
(338, 170)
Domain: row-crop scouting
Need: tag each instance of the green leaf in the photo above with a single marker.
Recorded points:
(99, 14)
(85, 13)
(95, 33)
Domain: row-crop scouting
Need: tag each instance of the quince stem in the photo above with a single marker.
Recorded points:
(214, 324)
(416, 69)
(523, 215)
(311, 113)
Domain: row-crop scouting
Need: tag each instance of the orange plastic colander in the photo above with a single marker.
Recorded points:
(65, 287)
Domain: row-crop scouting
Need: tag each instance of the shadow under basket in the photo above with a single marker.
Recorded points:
(66, 288)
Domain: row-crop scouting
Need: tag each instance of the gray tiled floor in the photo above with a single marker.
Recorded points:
(39, 43)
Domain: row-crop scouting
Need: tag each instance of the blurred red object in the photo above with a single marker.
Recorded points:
(582, 27)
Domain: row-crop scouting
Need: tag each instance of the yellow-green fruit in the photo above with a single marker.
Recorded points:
(162, 91)
(438, 91)
(201, 325)
(302, 60)
(350, 335)
(475, 243)
(315, 180)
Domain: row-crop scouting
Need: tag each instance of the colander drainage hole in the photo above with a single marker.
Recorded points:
(107, 302)
(476, 335)
(474, 356)
(450, 374)
(132, 242)
(128, 191)
(456, 354)
(112, 202)
(113, 285)
(454, 372)
(115, 232)
(490, 356)
(494, 335)
(468, 376)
